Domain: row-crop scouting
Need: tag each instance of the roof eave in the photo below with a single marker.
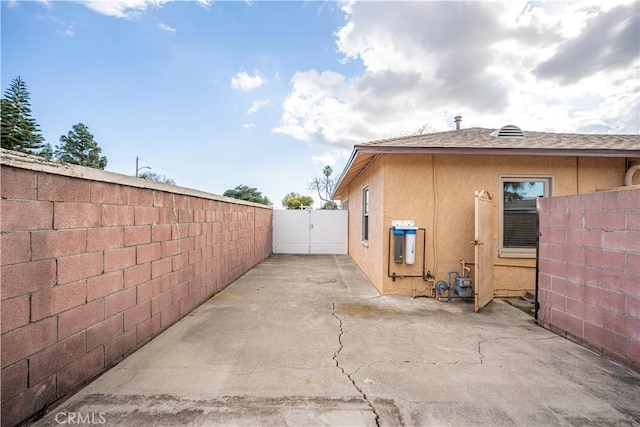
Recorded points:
(368, 149)
(497, 151)
(337, 188)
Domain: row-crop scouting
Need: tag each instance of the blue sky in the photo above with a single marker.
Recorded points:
(218, 94)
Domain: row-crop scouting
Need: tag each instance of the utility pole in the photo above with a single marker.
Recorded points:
(139, 169)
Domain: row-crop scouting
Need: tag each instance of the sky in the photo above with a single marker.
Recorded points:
(265, 94)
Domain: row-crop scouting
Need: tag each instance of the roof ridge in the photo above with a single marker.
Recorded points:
(396, 138)
(529, 134)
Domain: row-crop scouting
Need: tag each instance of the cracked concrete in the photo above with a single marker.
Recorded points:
(306, 341)
(336, 356)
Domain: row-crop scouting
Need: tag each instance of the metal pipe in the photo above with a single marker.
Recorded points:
(451, 283)
(465, 269)
(425, 274)
(389, 256)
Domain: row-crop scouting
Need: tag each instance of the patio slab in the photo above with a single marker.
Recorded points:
(307, 341)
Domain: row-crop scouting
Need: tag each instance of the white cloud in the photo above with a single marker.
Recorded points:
(46, 3)
(166, 27)
(549, 66)
(12, 4)
(205, 4)
(70, 31)
(128, 8)
(318, 109)
(331, 157)
(257, 105)
(244, 81)
(122, 8)
(248, 125)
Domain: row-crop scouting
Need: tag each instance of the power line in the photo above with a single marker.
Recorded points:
(171, 172)
(120, 160)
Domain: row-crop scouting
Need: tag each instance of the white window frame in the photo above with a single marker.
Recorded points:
(548, 192)
(366, 229)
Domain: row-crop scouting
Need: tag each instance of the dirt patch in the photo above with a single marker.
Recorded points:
(369, 311)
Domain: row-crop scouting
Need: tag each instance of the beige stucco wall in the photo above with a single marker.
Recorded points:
(437, 192)
(368, 254)
(409, 195)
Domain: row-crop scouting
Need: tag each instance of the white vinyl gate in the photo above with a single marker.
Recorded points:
(310, 232)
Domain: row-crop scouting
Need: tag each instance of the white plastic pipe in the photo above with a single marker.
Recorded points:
(628, 177)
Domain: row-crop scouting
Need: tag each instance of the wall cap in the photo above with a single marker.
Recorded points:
(40, 164)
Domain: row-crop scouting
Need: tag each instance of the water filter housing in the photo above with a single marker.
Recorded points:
(398, 245)
(410, 247)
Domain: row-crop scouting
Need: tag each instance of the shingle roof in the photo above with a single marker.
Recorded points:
(481, 138)
(480, 141)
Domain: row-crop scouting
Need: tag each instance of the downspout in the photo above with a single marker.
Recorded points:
(628, 177)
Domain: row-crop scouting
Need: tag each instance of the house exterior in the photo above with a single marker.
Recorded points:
(432, 180)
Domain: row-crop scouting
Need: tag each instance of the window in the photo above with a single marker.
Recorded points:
(345, 205)
(518, 216)
(365, 214)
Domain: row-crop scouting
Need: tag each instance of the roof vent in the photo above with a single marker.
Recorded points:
(508, 131)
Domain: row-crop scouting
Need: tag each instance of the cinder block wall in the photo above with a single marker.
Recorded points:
(589, 278)
(95, 264)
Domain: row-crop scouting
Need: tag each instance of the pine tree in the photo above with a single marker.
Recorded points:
(78, 147)
(19, 130)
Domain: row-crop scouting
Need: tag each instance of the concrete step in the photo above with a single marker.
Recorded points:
(520, 303)
(529, 296)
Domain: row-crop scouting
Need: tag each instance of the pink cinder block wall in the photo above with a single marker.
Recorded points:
(589, 271)
(92, 270)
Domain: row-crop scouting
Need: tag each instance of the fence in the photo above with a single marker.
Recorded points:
(589, 271)
(95, 264)
(310, 232)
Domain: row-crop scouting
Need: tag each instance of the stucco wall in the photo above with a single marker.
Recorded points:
(95, 264)
(369, 253)
(409, 195)
(589, 278)
(437, 192)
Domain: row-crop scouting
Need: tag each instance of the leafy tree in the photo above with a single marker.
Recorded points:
(78, 147)
(515, 190)
(249, 194)
(152, 176)
(324, 186)
(19, 130)
(296, 201)
(330, 205)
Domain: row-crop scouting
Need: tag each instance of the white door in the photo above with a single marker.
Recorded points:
(483, 252)
(310, 232)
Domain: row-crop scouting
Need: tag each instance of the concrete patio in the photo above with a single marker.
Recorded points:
(307, 341)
